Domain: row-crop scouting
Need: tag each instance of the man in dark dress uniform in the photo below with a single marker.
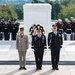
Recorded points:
(55, 43)
(1, 29)
(65, 25)
(6, 30)
(14, 29)
(68, 35)
(73, 25)
(1, 24)
(39, 44)
(69, 27)
(60, 25)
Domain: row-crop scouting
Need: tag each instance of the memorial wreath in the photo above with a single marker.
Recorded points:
(33, 29)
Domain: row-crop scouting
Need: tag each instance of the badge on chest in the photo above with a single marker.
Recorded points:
(43, 39)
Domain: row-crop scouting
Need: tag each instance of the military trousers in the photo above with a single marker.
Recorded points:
(22, 58)
(38, 59)
(55, 55)
(6, 36)
(13, 35)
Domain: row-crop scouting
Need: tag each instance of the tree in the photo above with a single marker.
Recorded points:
(47, 1)
(57, 8)
(36, 1)
(53, 10)
(19, 10)
(7, 11)
(66, 2)
(67, 11)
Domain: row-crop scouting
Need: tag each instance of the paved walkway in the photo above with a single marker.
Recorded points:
(9, 60)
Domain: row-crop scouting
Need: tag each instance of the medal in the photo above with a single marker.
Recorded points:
(43, 39)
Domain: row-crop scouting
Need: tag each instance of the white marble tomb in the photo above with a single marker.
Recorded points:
(39, 13)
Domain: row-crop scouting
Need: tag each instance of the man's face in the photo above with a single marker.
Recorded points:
(54, 28)
(39, 32)
(21, 31)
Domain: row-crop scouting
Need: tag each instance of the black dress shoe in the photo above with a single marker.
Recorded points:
(57, 69)
(37, 68)
(53, 68)
(40, 68)
(20, 68)
(23, 68)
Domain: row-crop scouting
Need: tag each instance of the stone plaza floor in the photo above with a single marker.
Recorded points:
(9, 63)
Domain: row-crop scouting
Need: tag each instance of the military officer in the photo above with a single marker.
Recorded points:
(39, 44)
(55, 43)
(69, 35)
(69, 27)
(1, 29)
(73, 25)
(6, 30)
(1, 24)
(65, 25)
(22, 46)
(14, 29)
(60, 25)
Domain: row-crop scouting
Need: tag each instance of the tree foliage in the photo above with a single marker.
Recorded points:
(67, 11)
(19, 10)
(66, 2)
(7, 11)
(57, 8)
(60, 9)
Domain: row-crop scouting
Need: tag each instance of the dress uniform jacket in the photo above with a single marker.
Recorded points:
(15, 27)
(54, 40)
(64, 26)
(39, 43)
(14, 30)
(1, 26)
(69, 28)
(73, 27)
(22, 43)
(60, 27)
